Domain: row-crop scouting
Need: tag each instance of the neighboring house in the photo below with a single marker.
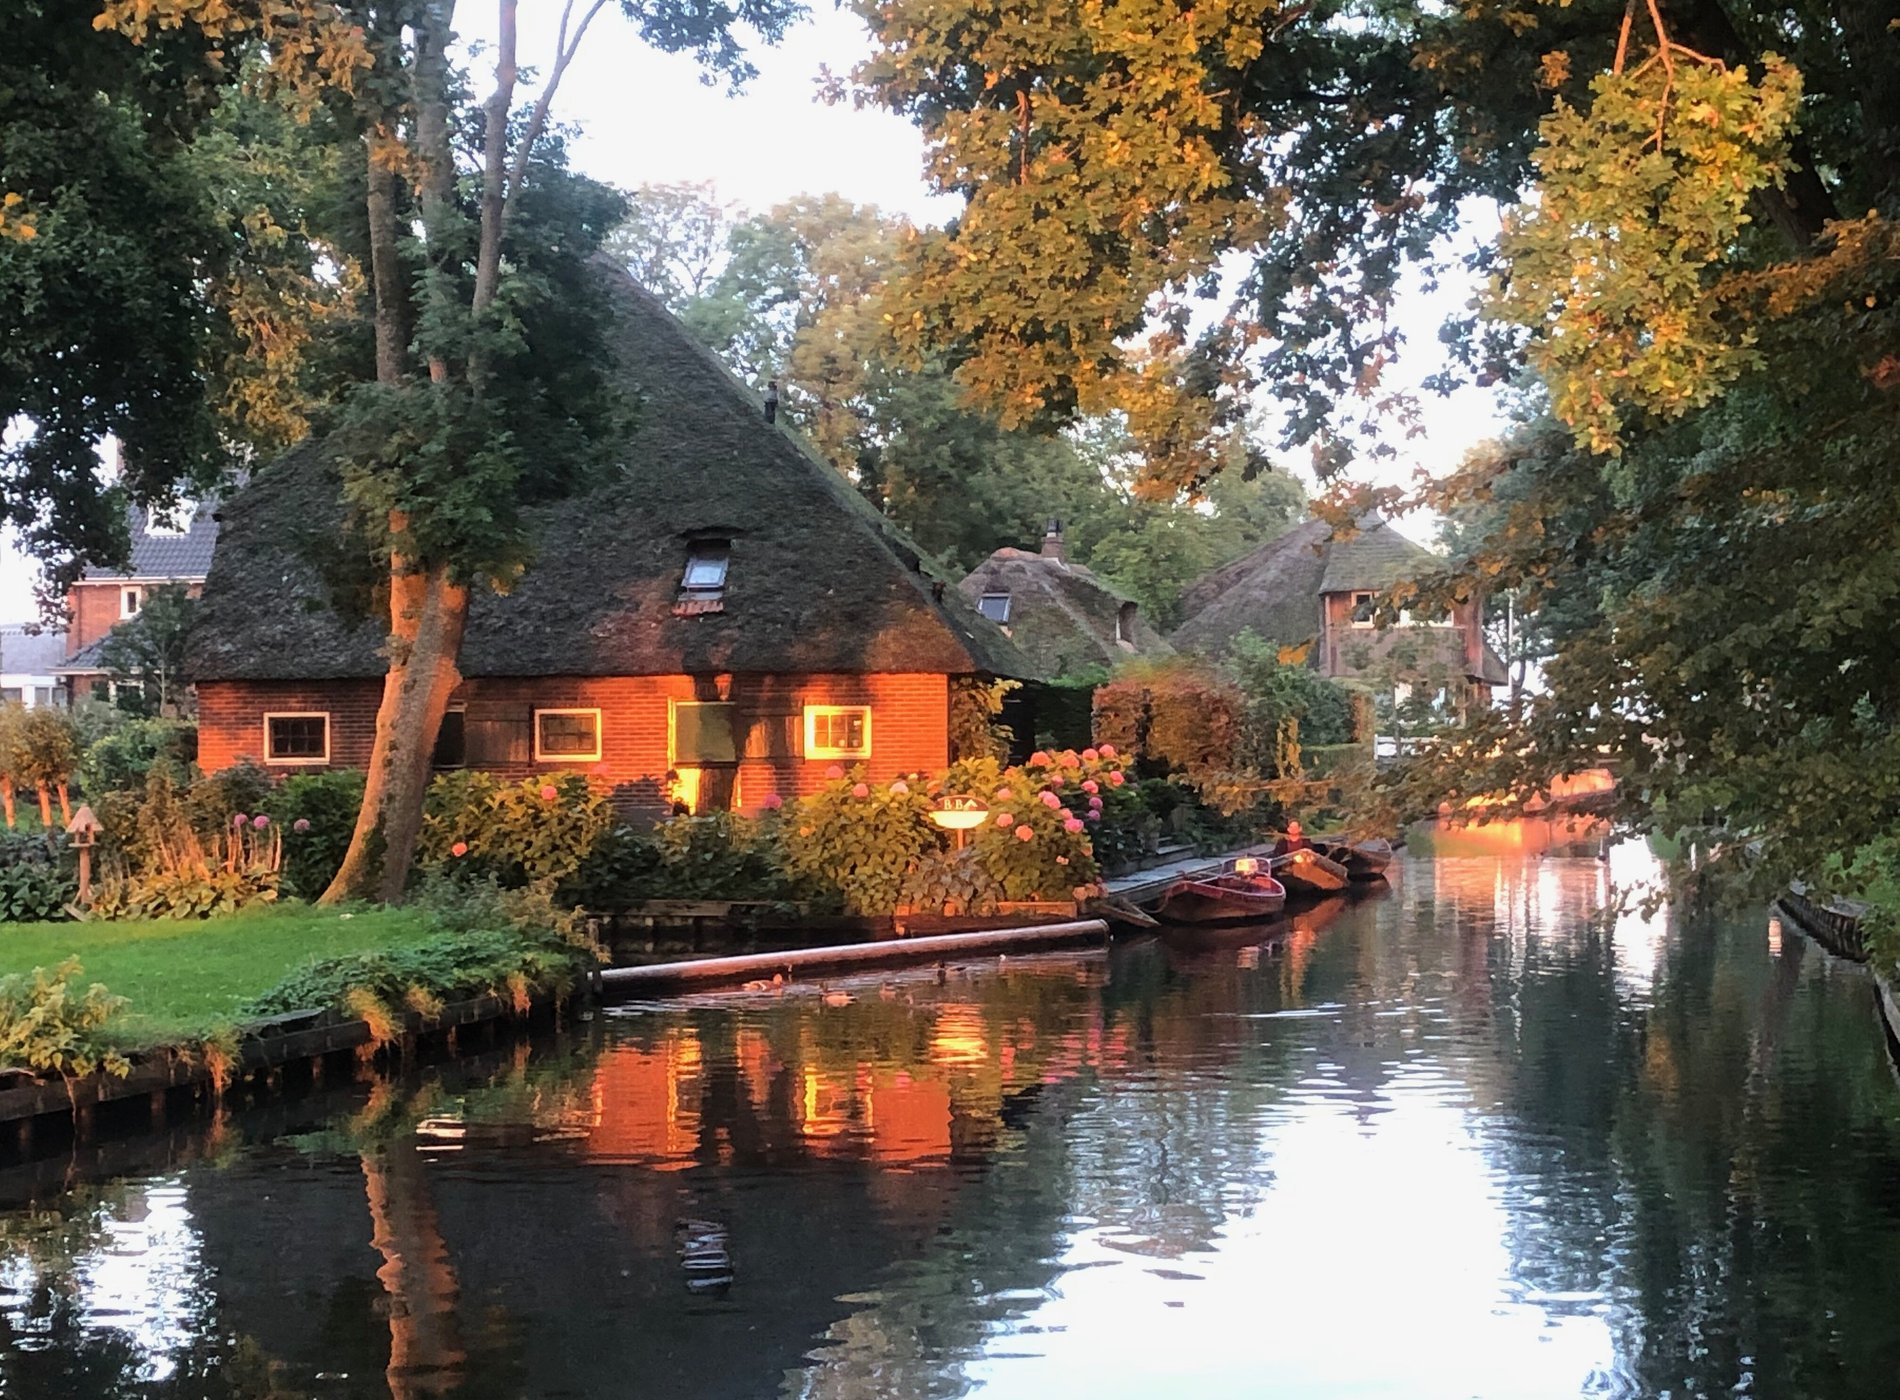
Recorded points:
(27, 662)
(720, 625)
(162, 553)
(1308, 588)
(1065, 619)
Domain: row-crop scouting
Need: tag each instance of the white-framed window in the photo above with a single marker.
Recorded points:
(701, 732)
(567, 736)
(837, 731)
(994, 606)
(131, 599)
(295, 737)
(1364, 604)
(706, 562)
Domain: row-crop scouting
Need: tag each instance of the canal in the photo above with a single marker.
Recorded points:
(1476, 1137)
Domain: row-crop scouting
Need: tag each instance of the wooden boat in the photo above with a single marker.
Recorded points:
(1195, 940)
(1364, 860)
(1309, 872)
(1233, 898)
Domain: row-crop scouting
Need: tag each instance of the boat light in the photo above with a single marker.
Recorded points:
(1246, 865)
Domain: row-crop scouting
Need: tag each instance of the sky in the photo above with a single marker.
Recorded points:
(646, 117)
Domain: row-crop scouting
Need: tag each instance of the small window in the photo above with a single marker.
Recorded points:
(1363, 606)
(567, 736)
(1125, 624)
(994, 606)
(451, 741)
(837, 731)
(130, 601)
(297, 738)
(11, 695)
(42, 695)
(706, 562)
(703, 733)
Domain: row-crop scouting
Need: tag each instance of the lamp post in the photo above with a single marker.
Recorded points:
(84, 828)
(959, 813)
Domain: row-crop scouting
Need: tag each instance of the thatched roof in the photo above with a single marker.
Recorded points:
(817, 580)
(1065, 618)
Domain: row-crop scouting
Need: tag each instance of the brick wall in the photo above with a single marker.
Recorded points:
(910, 726)
(94, 611)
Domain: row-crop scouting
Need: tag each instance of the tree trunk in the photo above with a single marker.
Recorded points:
(6, 801)
(65, 805)
(385, 261)
(46, 807)
(426, 1355)
(427, 615)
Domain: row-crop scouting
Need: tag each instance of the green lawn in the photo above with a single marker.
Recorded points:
(186, 980)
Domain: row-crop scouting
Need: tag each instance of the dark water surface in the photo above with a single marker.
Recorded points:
(1470, 1139)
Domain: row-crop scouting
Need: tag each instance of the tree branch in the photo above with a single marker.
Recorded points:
(564, 51)
(495, 157)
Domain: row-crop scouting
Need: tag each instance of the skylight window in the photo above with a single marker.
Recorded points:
(706, 562)
(994, 606)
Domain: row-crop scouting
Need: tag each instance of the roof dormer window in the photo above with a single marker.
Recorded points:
(1125, 626)
(994, 606)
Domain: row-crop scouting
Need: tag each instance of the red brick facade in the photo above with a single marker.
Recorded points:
(910, 728)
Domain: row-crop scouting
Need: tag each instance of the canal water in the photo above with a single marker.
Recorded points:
(1476, 1137)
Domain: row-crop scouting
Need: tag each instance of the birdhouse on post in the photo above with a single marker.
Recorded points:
(84, 829)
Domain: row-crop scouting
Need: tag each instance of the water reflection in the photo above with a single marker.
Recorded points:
(1484, 1136)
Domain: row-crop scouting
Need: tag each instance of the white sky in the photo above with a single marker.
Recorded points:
(647, 118)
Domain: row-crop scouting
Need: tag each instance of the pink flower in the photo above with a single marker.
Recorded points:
(1064, 813)
(861, 790)
(835, 771)
(772, 802)
(1038, 759)
(1081, 891)
(1069, 760)
(1095, 816)
(260, 822)
(549, 792)
(1095, 803)
(1090, 785)
(1005, 819)
(1115, 778)
(238, 819)
(1108, 750)
(301, 825)
(900, 786)
(1003, 794)
(460, 848)
(1062, 860)
(1023, 833)
(1049, 799)
(1072, 825)
(1090, 755)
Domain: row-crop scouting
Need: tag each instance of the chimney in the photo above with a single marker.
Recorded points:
(1052, 546)
(771, 400)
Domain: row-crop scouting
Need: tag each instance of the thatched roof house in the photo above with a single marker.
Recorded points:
(1064, 618)
(719, 624)
(1309, 587)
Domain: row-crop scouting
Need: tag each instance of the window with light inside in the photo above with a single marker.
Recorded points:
(837, 731)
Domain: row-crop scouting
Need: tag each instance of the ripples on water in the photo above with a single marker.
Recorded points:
(1475, 1138)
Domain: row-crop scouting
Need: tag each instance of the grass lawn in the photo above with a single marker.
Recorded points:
(187, 979)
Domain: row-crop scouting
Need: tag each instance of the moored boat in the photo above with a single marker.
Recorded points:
(1364, 860)
(1237, 897)
(1309, 872)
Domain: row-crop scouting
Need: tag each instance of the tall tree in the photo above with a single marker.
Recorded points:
(148, 651)
(468, 225)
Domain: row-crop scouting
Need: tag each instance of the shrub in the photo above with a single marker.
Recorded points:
(201, 891)
(35, 885)
(855, 844)
(316, 812)
(122, 758)
(538, 829)
(170, 867)
(45, 1026)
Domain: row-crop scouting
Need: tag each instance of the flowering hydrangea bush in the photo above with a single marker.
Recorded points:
(538, 829)
(856, 842)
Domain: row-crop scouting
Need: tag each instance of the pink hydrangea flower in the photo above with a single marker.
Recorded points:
(835, 771)
(1064, 813)
(900, 787)
(861, 790)
(1072, 825)
(260, 822)
(1005, 819)
(1049, 799)
(238, 819)
(1038, 759)
(1081, 891)
(1108, 750)
(1023, 833)
(1003, 794)
(773, 802)
(1095, 816)
(1062, 860)
(1095, 803)
(1115, 778)
(1091, 755)
(301, 825)
(549, 792)
(1090, 785)
(459, 849)
(1069, 759)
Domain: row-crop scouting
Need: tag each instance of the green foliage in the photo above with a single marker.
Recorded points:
(149, 650)
(201, 890)
(35, 881)
(538, 829)
(316, 813)
(122, 758)
(717, 856)
(1289, 707)
(1178, 715)
(857, 843)
(976, 718)
(46, 1024)
(1873, 876)
(1640, 201)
